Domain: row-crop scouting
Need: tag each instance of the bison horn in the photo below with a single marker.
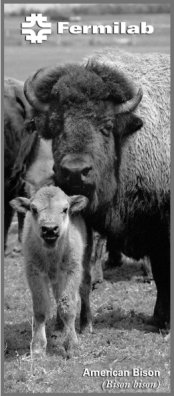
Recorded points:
(38, 88)
(32, 97)
(131, 104)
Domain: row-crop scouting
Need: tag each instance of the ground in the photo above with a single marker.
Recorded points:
(121, 339)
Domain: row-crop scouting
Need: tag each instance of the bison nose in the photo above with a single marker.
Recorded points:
(76, 171)
(49, 232)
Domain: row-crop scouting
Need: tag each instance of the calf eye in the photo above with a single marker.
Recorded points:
(34, 210)
(65, 210)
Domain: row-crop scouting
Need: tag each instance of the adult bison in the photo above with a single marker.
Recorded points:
(27, 157)
(92, 112)
(16, 111)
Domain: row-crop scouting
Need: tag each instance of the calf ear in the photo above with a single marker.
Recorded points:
(20, 204)
(77, 204)
(126, 124)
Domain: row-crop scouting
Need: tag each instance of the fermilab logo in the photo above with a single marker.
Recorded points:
(36, 28)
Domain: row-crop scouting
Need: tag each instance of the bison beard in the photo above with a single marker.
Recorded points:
(88, 111)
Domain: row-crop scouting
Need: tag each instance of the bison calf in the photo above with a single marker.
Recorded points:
(57, 249)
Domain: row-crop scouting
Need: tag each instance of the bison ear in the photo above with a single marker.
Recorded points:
(126, 124)
(20, 204)
(77, 204)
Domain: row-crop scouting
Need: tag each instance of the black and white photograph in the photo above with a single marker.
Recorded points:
(86, 200)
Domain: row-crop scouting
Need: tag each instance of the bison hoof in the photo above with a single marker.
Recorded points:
(96, 283)
(96, 275)
(7, 252)
(160, 322)
(161, 316)
(17, 249)
(38, 349)
(70, 343)
(86, 328)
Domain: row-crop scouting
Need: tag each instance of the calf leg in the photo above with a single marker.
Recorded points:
(21, 218)
(85, 313)
(147, 270)
(41, 303)
(97, 259)
(56, 292)
(7, 221)
(67, 307)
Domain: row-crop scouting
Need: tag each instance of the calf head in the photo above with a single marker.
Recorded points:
(88, 111)
(51, 210)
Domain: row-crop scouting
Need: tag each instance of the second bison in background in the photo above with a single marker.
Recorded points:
(57, 249)
(28, 158)
(92, 112)
(16, 112)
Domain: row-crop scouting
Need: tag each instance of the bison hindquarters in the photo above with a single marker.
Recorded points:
(160, 261)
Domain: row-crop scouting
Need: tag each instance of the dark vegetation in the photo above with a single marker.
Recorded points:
(56, 13)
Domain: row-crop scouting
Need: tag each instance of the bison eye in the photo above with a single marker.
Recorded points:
(106, 129)
(34, 210)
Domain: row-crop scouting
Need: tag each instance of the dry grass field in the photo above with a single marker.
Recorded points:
(121, 339)
(123, 303)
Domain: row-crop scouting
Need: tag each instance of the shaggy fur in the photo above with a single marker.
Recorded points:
(127, 176)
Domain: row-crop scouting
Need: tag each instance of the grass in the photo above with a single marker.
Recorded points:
(122, 339)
